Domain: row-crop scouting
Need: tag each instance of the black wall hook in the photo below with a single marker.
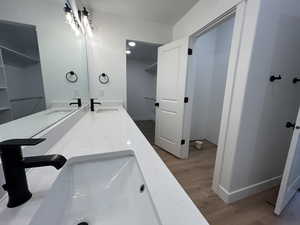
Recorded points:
(290, 125)
(296, 80)
(273, 78)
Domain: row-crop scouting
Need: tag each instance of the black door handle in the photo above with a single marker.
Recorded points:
(156, 104)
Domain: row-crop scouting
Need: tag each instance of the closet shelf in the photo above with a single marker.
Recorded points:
(3, 109)
(152, 68)
(15, 58)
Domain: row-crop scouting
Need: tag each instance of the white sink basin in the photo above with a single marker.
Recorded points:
(102, 189)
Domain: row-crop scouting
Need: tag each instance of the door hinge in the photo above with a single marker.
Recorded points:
(190, 51)
(182, 142)
(186, 100)
(156, 104)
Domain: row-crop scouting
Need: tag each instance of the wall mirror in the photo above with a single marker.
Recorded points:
(38, 48)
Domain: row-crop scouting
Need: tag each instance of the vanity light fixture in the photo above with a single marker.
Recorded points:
(132, 44)
(86, 22)
(71, 20)
(128, 52)
(68, 13)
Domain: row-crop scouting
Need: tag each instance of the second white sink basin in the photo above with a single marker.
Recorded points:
(59, 111)
(106, 109)
(102, 189)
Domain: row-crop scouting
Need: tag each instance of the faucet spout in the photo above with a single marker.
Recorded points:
(57, 161)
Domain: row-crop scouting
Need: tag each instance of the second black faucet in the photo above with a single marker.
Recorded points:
(93, 103)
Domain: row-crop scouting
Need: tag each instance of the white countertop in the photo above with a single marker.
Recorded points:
(30, 125)
(108, 132)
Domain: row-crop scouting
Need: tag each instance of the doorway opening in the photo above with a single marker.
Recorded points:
(141, 70)
(212, 52)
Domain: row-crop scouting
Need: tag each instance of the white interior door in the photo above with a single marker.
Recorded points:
(291, 177)
(171, 83)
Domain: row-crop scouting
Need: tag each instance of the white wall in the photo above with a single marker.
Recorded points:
(204, 12)
(140, 84)
(106, 51)
(212, 49)
(263, 140)
(205, 55)
(60, 50)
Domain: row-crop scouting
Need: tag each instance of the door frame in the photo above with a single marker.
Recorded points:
(285, 190)
(239, 12)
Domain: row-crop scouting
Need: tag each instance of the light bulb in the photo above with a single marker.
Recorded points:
(128, 52)
(69, 17)
(87, 25)
(132, 43)
(75, 28)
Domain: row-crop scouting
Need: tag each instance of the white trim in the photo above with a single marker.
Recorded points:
(229, 92)
(215, 22)
(287, 191)
(290, 193)
(234, 196)
(227, 150)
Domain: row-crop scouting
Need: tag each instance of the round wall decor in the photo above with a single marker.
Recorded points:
(72, 77)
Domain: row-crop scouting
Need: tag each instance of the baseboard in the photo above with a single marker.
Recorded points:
(230, 197)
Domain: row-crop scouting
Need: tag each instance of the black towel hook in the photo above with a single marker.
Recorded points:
(296, 80)
(273, 78)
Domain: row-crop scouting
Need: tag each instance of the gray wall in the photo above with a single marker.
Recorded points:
(263, 141)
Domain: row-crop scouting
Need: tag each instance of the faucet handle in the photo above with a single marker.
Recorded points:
(13, 143)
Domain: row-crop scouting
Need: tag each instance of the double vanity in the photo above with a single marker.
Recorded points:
(112, 176)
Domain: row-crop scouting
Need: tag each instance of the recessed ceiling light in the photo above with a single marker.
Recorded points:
(132, 44)
(128, 52)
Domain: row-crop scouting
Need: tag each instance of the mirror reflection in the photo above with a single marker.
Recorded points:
(43, 66)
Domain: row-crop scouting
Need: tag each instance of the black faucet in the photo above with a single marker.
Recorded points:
(14, 165)
(93, 103)
(78, 103)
